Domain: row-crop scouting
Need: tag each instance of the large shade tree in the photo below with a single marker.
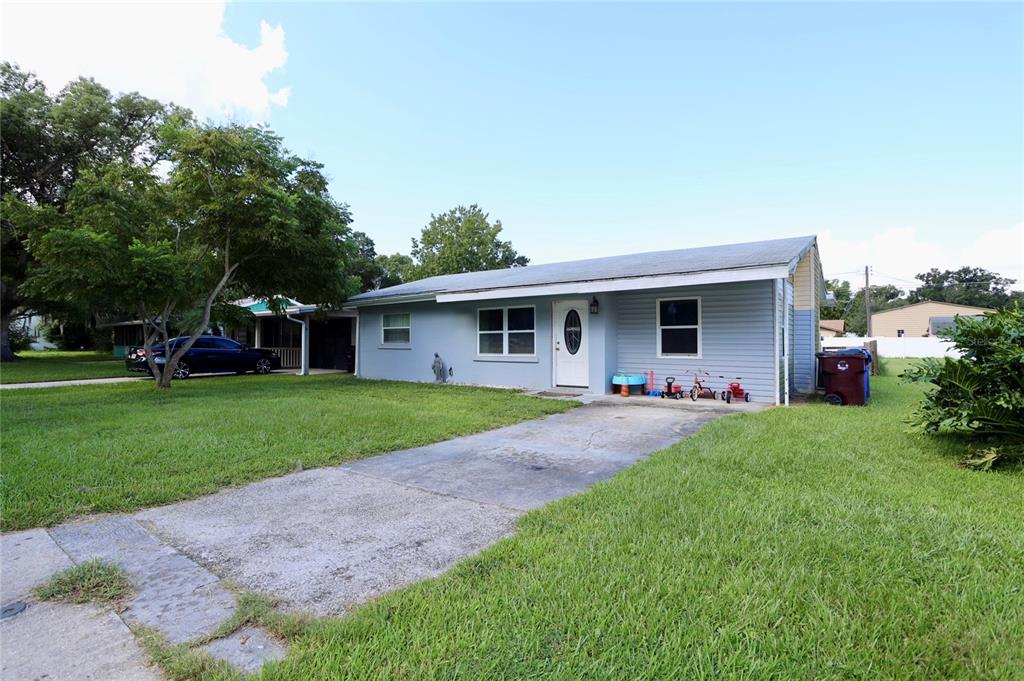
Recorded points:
(46, 143)
(462, 240)
(235, 214)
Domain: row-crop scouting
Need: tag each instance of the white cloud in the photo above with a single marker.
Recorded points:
(171, 51)
(896, 255)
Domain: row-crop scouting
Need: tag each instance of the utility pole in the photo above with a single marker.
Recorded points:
(867, 299)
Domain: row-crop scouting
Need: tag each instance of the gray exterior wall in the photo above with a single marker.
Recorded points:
(736, 336)
(737, 340)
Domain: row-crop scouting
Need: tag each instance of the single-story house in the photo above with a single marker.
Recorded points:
(744, 310)
(830, 328)
(916, 319)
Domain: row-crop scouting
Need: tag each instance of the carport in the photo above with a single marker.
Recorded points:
(304, 337)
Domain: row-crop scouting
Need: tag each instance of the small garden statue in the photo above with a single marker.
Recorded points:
(438, 368)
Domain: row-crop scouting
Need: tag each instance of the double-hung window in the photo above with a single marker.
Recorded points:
(396, 328)
(506, 331)
(679, 327)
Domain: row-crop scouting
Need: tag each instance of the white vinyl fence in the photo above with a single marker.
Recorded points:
(927, 346)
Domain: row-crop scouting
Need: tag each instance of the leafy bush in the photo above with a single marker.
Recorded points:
(18, 337)
(982, 392)
(76, 335)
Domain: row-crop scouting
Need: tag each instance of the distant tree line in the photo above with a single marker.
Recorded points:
(973, 286)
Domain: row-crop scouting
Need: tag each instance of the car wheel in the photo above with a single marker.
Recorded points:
(263, 366)
(182, 370)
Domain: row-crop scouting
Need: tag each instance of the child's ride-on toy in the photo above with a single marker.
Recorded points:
(701, 390)
(735, 391)
(671, 388)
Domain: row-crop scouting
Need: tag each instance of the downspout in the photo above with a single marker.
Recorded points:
(775, 334)
(304, 351)
(355, 370)
(787, 339)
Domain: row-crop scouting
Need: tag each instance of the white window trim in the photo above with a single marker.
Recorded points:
(505, 332)
(382, 327)
(699, 326)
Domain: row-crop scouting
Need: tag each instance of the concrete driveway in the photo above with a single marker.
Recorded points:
(326, 540)
(323, 540)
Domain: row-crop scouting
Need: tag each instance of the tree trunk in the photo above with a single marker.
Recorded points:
(6, 354)
(163, 378)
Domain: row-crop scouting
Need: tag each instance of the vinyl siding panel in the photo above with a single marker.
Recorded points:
(736, 335)
(804, 333)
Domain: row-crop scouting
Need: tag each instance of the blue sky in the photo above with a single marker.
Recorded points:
(894, 131)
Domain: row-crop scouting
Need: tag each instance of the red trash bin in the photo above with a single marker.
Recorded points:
(843, 377)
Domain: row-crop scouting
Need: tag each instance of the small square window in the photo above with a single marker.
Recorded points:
(678, 327)
(396, 328)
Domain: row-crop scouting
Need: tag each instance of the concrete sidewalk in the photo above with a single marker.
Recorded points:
(325, 540)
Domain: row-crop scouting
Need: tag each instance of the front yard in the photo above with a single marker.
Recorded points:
(811, 542)
(89, 449)
(56, 365)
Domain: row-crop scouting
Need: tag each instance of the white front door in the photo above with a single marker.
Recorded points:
(569, 327)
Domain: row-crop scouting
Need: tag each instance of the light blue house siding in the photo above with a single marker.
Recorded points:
(735, 330)
(736, 340)
(805, 326)
(450, 329)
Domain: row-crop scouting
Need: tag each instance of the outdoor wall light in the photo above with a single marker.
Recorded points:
(593, 305)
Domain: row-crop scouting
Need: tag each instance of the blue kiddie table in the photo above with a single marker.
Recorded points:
(630, 380)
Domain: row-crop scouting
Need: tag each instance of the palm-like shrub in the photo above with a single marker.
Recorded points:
(982, 392)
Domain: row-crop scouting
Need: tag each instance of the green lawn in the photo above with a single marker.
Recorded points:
(811, 542)
(55, 365)
(120, 447)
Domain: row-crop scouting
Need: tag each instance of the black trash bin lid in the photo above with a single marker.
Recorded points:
(847, 352)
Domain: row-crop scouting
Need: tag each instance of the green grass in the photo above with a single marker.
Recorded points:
(810, 542)
(189, 661)
(54, 365)
(120, 447)
(94, 581)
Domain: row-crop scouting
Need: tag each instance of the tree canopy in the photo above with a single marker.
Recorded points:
(46, 143)
(965, 286)
(462, 240)
(230, 213)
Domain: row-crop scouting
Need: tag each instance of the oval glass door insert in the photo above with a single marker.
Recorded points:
(573, 331)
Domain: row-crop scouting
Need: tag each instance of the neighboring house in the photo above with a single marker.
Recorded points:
(745, 310)
(916, 319)
(302, 336)
(829, 328)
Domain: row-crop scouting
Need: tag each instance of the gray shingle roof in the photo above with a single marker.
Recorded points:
(681, 261)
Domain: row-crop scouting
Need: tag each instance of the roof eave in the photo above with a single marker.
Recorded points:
(592, 286)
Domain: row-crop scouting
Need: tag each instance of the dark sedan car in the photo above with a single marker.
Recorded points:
(209, 354)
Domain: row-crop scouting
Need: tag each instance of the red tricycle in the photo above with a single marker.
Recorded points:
(699, 389)
(735, 391)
